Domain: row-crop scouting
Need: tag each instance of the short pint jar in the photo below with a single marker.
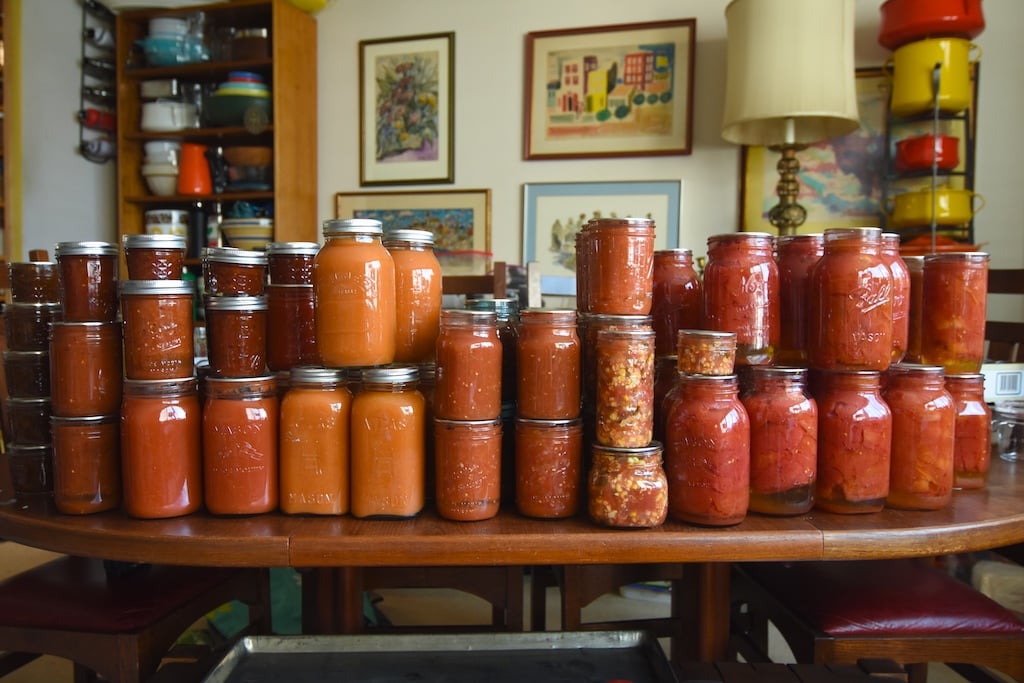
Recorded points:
(85, 368)
(955, 286)
(154, 257)
(234, 272)
(88, 280)
(158, 330)
(236, 333)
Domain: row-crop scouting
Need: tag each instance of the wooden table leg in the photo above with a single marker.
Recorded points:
(349, 602)
(705, 602)
(319, 597)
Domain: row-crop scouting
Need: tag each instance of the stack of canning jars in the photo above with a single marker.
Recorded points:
(291, 334)
(34, 305)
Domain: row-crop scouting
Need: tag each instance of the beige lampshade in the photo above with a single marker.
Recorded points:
(789, 60)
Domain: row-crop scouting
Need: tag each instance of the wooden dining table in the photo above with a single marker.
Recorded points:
(324, 546)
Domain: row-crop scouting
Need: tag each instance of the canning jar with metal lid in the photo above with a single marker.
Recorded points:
(589, 325)
(29, 420)
(468, 468)
(620, 265)
(291, 263)
(796, 255)
(469, 366)
(418, 294)
(900, 295)
(291, 327)
(86, 463)
(548, 467)
(236, 333)
(627, 487)
(27, 373)
(27, 326)
(86, 368)
(154, 257)
(705, 352)
(954, 291)
(625, 387)
(158, 329)
(31, 468)
(88, 280)
(548, 360)
(972, 431)
(506, 312)
(915, 272)
(677, 298)
(234, 272)
(34, 282)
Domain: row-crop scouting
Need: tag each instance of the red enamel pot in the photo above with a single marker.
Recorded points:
(904, 21)
(917, 153)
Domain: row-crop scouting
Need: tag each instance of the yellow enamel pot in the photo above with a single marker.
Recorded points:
(913, 72)
(953, 208)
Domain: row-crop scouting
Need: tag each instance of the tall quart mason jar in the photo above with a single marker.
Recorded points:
(417, 294)
(955, 287)
(796, 255)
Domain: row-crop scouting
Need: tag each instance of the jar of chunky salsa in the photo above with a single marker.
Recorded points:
(915, 272)
(677, 298)
(154, 257)
(589, 325)
(468, 468)
(741, 293)
(854, 442)
(236, 334)
(549, 360)
(900, 295)
(796, 255)
(86, 464)
(627, 487)
(85, 368)
(291, 263)
(158, 330)
(923, 419)
(469, 374)
(88, 280)
(291, 327)
(234, 272)
(705, 352)
(548, 467)
(417, 294)
(625, 387)
(707, 451)
(973, 430)
(783, 441)
(620, 265)
(954, 291)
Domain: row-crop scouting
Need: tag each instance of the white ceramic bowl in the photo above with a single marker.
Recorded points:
(166, 115)
(162, 185)
(157, 147)
(168, 26)
(159, 169)
(248, 236)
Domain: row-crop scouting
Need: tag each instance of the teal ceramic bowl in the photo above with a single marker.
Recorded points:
(237, 110)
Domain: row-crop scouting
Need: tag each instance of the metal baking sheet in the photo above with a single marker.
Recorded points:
(562, 657)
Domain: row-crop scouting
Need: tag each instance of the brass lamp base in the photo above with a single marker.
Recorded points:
(787, 215)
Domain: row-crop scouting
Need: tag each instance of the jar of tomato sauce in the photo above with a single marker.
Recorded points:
(588, 326)
(783, 441)
(915, 272)
(236, 334)
(741, 293)
(900, 295)
(549, 359)
(627, 487)
(387, 451)
(88, 280)
(291, 263)
(27, 326)
(34, 282)
(158, 329)
(625, 387)
(506, 312)
(161, 452)
(27, 373)
(354, 290)
(954, 291)
(86, 463)
(85, 368)
(31, 469)
(234, 272)
(923, 419)
(972, 430)
(154, 257)
(29, 420)
(620, 265)
(468, 468)
(851, 303)
(854, 442)
(677, 298)
(240, 445)
(548, 467)
(707, 451)
(469, 369)
(417, 294)
(705, 352)
(796, 255)
(314, 453)
(291, 327)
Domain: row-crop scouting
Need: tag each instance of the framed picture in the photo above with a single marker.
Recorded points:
(407, 110)
(553, 214)
(610, 91)
(459, 219)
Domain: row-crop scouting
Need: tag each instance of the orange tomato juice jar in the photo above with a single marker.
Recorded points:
(627, 487)
(388, 439)
(315, 416)
(783, 441)
(158, 333)
(923, 420)
(88, 280)
(625, 387)
(236, 334)
(620, 265)
(915, 273)
(291, 263)
(468, 468)
(354, 290)
(796, 255)
(154, 257)
(469, 367)
(417, 294)
(161, 452)
(234, 272)
(677, 298)
(854, 442)
(86, 463)
(707, 451)
(850, 311)
(548, 358)
(741, 293)
(972, 431)
(291, 327)
(900, 295)
(954, 291)
(240, 442)
(85, 368)
(548, 467)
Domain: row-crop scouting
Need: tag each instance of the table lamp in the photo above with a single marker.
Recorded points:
(790, 81)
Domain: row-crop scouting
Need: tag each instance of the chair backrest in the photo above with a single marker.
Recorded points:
(494, 284)
(1005, 338)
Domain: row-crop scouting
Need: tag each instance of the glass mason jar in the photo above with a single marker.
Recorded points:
(620, 265)
(665, 376)
(707, 451)
(161, 451)
(291, 327)
(354, 289)
(627, 487)
(581, 249)
(154, 257)
(915, 273)
(85, 368)
(34, 282)
(291, 263)
(705, 352)
(851, 303)
(31, 469)
(88, 280)
(387, 444)
(954, 290)
(625, 387)
(548, 467)
(854, 442)
(741, 293)
(468, 468)
(240, 442)
(796, 255)
(158, 329)
(972, 430)
(314, 453)
(549, 360)
(418, 294)
(86, 464)
(783, 441)
(234, 272)
(29, 420)
(677, 298)
(900, 295)
(469, 371)
(506, 313)
(588, 326)
(27, 326)
(923, 419)
(236, 335)
(27, 373)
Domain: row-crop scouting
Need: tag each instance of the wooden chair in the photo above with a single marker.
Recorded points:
(1005, 338)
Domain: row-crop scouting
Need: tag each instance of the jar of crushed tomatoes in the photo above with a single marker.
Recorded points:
(705, 352)
(158, 332)
(972, 431)
(588, 327)
(291, 327)
(35, 282)
(291, 263)
(923, 420)
(236, 332)
(85, 368)
(854, 442)
(417, 294)
(469, 370)
(506, 312)
(900, 295)
(27, 326)
(234, 272)
(915, 273)
(851, 303)
(467, 468)
(625, 387)
(154, 257)
(88, 280)
(796, 255)
(549, 359)
(954, 291)
(707, 451)
(620, 265)
(741, 293)
(86, 464)
(548, 467)
(627, 487)
(783, 441)
(677, 298)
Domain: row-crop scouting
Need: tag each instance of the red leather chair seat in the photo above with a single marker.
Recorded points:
(897, 597)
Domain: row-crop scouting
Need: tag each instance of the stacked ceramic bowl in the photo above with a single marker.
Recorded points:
(160, 166)
(243, 95)
(251, 234)
(173, 41)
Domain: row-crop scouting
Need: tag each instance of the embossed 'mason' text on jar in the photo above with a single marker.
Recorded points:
(158, 332)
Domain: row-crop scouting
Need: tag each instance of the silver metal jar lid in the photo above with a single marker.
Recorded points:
(352, 226)
(236, 303)
(153, 242)
(86, 249)
(292, 249)
(161, 287)
(237, 256)
(419, 237)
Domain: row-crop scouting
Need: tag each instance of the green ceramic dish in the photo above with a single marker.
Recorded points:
(237, 110)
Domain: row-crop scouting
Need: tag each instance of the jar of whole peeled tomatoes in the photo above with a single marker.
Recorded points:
(796, 255)
(954, 289)
(619, 265)
(900, 295)
(677, 297)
